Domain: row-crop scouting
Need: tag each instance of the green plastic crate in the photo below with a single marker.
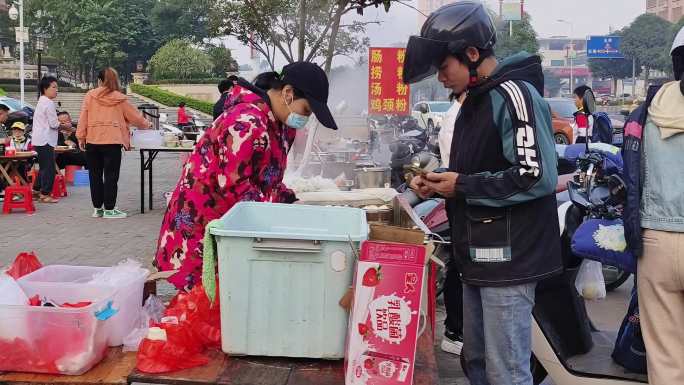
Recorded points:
(282, 271)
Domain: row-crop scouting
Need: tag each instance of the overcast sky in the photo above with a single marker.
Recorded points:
(589, 17)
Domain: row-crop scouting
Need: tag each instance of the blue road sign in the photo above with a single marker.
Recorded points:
(604, 47)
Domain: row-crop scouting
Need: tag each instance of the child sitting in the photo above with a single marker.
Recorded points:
(19, 140)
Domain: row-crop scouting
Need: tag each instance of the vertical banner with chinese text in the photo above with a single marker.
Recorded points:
(387, 93)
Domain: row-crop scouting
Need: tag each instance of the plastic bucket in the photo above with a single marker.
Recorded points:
(69, 173)
(81, 178)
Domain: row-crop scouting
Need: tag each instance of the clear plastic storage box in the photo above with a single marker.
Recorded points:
(56, 340)
(127, 295)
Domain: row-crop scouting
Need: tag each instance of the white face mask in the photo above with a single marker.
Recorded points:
(295, 120)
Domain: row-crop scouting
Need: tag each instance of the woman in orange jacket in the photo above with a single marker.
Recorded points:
(103, 130)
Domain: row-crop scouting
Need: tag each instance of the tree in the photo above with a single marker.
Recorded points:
(6, 32)
(524, 38)
(181, 19)
(612, 68)
(89, 34)
(222, 61)
(298, 30)
(178, 59)
(648, 39)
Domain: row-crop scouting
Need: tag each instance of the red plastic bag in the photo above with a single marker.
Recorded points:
(201, 317)
(18, 355)
(180, 351)
(25, 263)
(198, 328)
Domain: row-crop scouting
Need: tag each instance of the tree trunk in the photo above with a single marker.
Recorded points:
(301, 39)
(647, 75)
(615, 80)
(330, 53)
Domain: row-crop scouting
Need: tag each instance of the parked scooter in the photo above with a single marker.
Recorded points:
(411, 151)
(569, 155)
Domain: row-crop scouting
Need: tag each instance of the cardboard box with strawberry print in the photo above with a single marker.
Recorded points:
(385, 316)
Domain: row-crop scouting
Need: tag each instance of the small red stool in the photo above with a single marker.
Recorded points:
(69, 173)
(26, 201)
(59, 187)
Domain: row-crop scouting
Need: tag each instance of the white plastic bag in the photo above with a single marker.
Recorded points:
(152, 311)
(123, 273)
(10, 291)
(590, 283)
(14, 325)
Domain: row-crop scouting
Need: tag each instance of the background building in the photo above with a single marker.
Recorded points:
(556, 52)
(670, 10)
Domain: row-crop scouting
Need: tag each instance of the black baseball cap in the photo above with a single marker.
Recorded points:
(312, 81)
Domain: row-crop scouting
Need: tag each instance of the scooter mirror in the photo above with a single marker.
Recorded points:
(589, 102)
(577, 196)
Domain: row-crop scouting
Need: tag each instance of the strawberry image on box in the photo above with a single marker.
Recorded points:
(385, 318)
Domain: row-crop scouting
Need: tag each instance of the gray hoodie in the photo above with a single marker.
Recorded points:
(662, 204)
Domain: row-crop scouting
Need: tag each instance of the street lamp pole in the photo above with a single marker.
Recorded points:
(13, 13)
(21, 51)
(570, 52)
(40, 46)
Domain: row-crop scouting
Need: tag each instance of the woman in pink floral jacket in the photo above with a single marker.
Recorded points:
(242, 157)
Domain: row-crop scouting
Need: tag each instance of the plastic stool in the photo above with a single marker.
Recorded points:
(81, 178)
(32, 177)
(69, 173)
(26, 201)
(59, 187)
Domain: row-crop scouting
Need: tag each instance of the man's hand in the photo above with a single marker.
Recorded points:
(443, 184)
(82, 145)
(69, 143)
(419, 186)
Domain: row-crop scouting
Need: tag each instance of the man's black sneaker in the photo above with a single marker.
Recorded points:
(452, 342)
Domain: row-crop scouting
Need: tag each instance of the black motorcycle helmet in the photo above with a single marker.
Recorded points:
(449, 30)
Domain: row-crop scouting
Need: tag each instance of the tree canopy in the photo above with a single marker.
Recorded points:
(524, 38)
(298, 30)
(648, 39)
(178, 59)
(83, 36)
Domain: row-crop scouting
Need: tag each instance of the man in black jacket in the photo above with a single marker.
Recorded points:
(499, 187)
(67, 137)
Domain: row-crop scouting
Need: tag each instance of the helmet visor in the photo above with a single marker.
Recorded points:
(423, 58)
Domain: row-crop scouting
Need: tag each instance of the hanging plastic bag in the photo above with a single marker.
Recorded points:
(25, 263)
(603, 240)
(590, 283)
(630, 350)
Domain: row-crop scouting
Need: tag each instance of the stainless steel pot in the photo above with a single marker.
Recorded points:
(372, 177)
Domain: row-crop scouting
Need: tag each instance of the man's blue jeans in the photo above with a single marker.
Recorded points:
(497, 324)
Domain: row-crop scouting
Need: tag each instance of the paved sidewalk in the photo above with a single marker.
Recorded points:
(65, 233)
